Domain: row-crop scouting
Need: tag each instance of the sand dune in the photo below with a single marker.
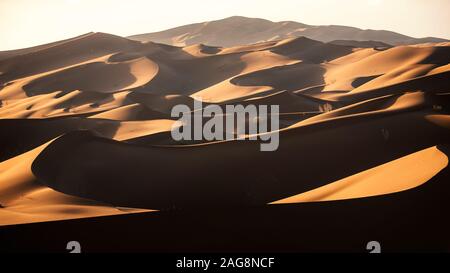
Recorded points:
(238, 30)
(69, 52)
(85, 123)
(24, 200)
(362, 44)
(384, 68)
(96, 77)
(402, 174)
(129, 112)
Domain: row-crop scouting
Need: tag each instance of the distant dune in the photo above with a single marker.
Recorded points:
(85, 123)
(361, 44)
(238, 30)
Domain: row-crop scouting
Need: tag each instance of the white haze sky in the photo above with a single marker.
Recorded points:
(25, 23)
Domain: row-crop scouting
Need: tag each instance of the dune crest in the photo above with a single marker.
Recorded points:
(399, 175)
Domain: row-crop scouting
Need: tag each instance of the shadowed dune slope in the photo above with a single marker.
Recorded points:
(25, 200)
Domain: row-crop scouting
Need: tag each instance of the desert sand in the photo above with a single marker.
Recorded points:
(85, 124)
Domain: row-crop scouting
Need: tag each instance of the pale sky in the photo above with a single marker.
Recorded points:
(25, 23)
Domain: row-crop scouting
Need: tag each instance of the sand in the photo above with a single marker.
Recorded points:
(25, 200)
(401, 174)
(85, 123)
